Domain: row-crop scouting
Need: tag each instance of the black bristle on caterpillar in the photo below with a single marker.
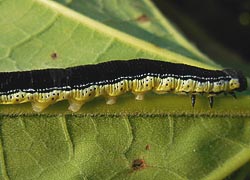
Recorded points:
(110, 79)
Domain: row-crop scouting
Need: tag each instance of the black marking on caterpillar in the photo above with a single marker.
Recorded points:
(111, 79)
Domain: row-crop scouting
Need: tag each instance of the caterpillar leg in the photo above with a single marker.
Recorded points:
(160, 92)
(75, 105)
(111, 100)
(193, 98)
(38, 106)
(139, 96)
(233, 94)
(211, 101)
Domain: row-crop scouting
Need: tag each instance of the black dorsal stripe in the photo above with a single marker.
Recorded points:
(80, 75)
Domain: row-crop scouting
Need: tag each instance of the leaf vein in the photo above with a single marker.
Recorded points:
(68, 138)
(2, 156)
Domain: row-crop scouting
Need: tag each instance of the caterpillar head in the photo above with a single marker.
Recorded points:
(238, 81)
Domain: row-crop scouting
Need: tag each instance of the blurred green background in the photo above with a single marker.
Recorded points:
(220, 28)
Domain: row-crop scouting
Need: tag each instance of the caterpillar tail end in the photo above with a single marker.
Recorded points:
(75, 105)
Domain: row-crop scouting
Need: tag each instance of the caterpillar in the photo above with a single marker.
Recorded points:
(81, 84)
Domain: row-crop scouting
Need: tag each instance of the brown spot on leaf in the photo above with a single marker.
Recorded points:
(54, 55)
(143, 18)
(138, 164)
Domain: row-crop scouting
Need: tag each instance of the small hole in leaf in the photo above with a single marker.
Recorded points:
(54, 55)
(147, 147)
(143, 18)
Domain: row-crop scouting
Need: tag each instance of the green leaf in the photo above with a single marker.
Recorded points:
(162, 137)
